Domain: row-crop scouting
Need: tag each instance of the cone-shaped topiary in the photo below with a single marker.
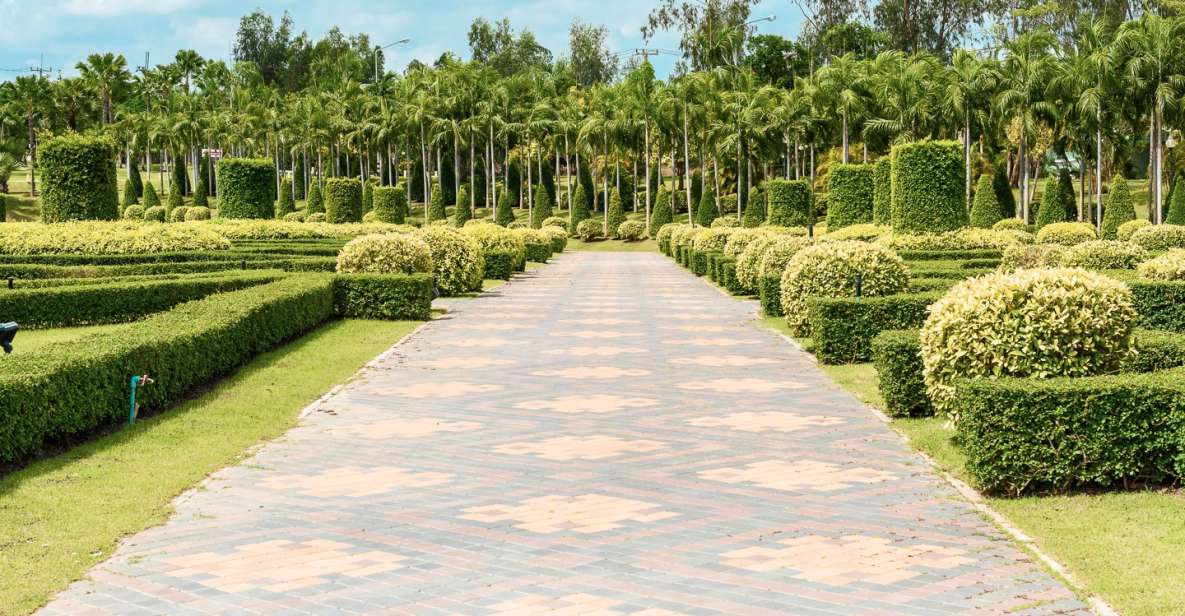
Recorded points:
(204, 175)
(415, 191)
(549, 182)
(462, 213)
(448, 180)
(514, 179)
(662, 213)
(1119, 208)
(134, 179)
(1053, 205)
(150, 197)
(616, 214)
(755, 210)
(436, 209)
(200, 195)
(298, 180)
(1004, 195)
(129, 196)
(284, 205)
(1065, 185)
(480, 185)
(705, 212)
(985, 209)
(697, 188)
(315, 204)
(542, 209)
(180, 176)
(504, 213)
(174, 197)
(1176, 213)
(581, 207)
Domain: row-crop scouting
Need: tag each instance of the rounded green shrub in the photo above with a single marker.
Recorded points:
(725, 221)
(968, 238)
(829, 269)
(1119, 208)
(197, 212)
(789, 203)
(294, 216)
(555, 221)
(78, 179)
(151, 199)
(315, 203)
(343, 200)
(246, 188)
(740, 239)
(1160, 237)
(1066, 233)
(864, 232)
(558, 237)
(1028, 256)
(1040, 323)
(849, 195)
(1168, 266)
(538, 244)
(1104, 255)
(315, 217)
(457, 259)
(496, 238)
(385, 253)
(590, 229)
(1125, 231)
(985, 208)
(177, 214)
(616, 214)
(1010, 224)
(284, 204)
(748, 267)
(928, 187)
(369, 217)
(778, 255)
(631, 230)
(156, 213)
(390, 203)
(133, 212)
(663, 236)
(712, 239)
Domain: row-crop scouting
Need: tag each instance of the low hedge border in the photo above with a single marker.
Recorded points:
(769, 291)
(538, 252)
(945, 255)
(383, 296)
(843, 328)
(297, 264)
(499, 265)
(73, 387)
(113, 302)
(728, 276)
(699, 262)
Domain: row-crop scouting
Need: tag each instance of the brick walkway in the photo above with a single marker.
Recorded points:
(607, 435)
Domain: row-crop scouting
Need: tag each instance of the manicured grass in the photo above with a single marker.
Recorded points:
(1126, 547)
(62, 515)
(32, 339)
(612, 246)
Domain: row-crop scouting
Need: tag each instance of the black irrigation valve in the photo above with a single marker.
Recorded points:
(859, 284)
(11, 284)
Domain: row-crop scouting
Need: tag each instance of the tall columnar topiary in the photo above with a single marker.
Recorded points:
(789, 203)
(616, 214)
(200, 197)
(480, 184)
(78, 179)
(180, 175)
(514, 179)
(343, 200)
(174, 198)
(448, 180)
(504, 212)
(415, 191)
(655, 178)
(151, 199)
(387, 203)
(1054, 206)
(284, 204)
(581, 207)
(129, 195)
(1119, 208)
(662, 213)
(985, 209)
(246, 188)
(316, 203)
(697, 188)
(754, 214)
(548, 181)
(849, 196)
(1004, 194)
(882, 191)
(1176, 213)
(928, 187)
(584, 177)
(542, 209)
(134, 179)
(298, 192)
(203, 176)
(462, 213)
(705, 212)
(436, 209)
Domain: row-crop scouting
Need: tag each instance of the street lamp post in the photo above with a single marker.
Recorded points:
(377, 49)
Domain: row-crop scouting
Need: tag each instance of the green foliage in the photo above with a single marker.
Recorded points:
(1056, 203)
(542, 209)
(558, 237)
(390, 203)
(386, 253)
(1024, 256)
(581, 206)
(315, 217)
(199, 194)
(133, 212)
(315, 203)
(1066, 233)
(284, 204)
(829, 269)
(1160, 237)
(203, 179)
(754, 215)
(985, 207)
(343, 200)
(548, 181)
(173, 199)
(457, 259)
(447, 184)
(134, 179)
(849, 195)
(1176, 213)
(789, 203)
(538, 245)
(73, 387)
(1037, 322)
(1127, 229)
(129, 195)
(927, 185)
(416, 189)
(1104, 255)
(770, 295)
(616, 214)
(497, 239)
(393, 297)
(514, 179)
(197, 212)
(1119, 208)
(697, 188)
(499, 265)
(662, 213)
(462, 213)
(156, 213)
(294, 216)
(865, 232)
(180, 180)
(590, 229)
(1004, 195)
(177, 214)
(705, 210)
(91, 238)
(78, 180)
(1010, 224)
(436, 209)
(631, 230)
(748, 262)
(246, 187)
(1169, 266)
(504, 213)
(843, 328)
(150, 197)
(898, 359)
(882, 191)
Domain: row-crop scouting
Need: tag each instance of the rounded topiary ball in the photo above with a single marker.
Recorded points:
(1169, 266)
(197, 212)
(779, 255)
(457, 259)
(1103, 255)
(1010, 224)
(386, 253)
(590, 229)
(1125, 230)
(829, 269)
(294, 216)
(1031, 323)
(631, 230)
(712, 239)
(315, 217)
(1028, 256)
(177, 214)
(1066, 233)
(156, 213)
(133, 212)
(1160, 237)
(748, 268)
(496, 238)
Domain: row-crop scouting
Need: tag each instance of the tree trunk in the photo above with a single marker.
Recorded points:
(646, 129)
(687, 171)
(845, 136)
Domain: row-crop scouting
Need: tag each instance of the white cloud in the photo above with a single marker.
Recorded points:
(113, 8)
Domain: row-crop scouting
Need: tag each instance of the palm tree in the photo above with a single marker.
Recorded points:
(969, 80)
(842, 81)
(30, 94)
(1025, 78)
(108, 74)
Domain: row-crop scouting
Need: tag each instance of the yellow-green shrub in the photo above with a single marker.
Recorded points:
(1104, 255)
(1010, 224)
(457, 259)
(395, 253)
(1169, 266)
(631, 230)
(1026, 256)
(116, 237)
(713, 238)
(864, 232)
(829, 269)
(1124, 232)
(1160, 237)
(1066, 233)
(496, 238)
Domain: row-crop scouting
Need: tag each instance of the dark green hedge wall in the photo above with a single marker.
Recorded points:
(844, 327)
(78, 179)
(897, 356)
(849, 195)
(384, 296)
(390, 203)
(882, 192)
(343, 200)
(245, 188)
(789, 203)
(928, 187)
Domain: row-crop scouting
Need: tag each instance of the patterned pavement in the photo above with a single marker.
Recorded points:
(606, 435)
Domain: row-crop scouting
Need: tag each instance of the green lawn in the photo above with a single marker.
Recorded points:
(62, 515)
(1127, 547)
(612, 246)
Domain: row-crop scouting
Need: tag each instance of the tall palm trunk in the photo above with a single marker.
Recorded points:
(605, 183)
(568, 178)
(646, 129)
(472, 187)
(456, 168)
(687, 171)
(967, 158)
(427, 193)
(845, 136)
(1098, 175)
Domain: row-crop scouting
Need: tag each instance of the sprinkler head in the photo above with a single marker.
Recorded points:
(7, 333)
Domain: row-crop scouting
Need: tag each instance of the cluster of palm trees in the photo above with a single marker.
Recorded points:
(1098, 99)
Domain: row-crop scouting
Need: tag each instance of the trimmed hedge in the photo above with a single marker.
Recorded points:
(849, 196)
(789, 203)
(499, 264)
(112, 302)
(985, 208)
(383, 296)
(343, 200)
(390, 204)
(927, 185)
(73, 387)
(897, 356)
(882, 192)
(78, 179)
(1159, 304)
(843, 328)
(769, 291)
(246, 187)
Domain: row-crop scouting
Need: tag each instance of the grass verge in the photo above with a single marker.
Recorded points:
(613, 246)
(1127, 547)
(62, 515)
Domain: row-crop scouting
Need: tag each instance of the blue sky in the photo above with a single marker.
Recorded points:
(65, 31)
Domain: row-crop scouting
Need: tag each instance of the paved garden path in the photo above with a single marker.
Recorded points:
(607, 435)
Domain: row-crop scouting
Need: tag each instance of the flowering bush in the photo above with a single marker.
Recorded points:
(396, 253)
(1169, 266)
(829, 269)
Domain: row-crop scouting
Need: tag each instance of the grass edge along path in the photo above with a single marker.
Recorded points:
(62, 515)
(1124, 548)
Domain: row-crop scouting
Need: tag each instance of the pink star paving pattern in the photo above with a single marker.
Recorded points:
(604, 435)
